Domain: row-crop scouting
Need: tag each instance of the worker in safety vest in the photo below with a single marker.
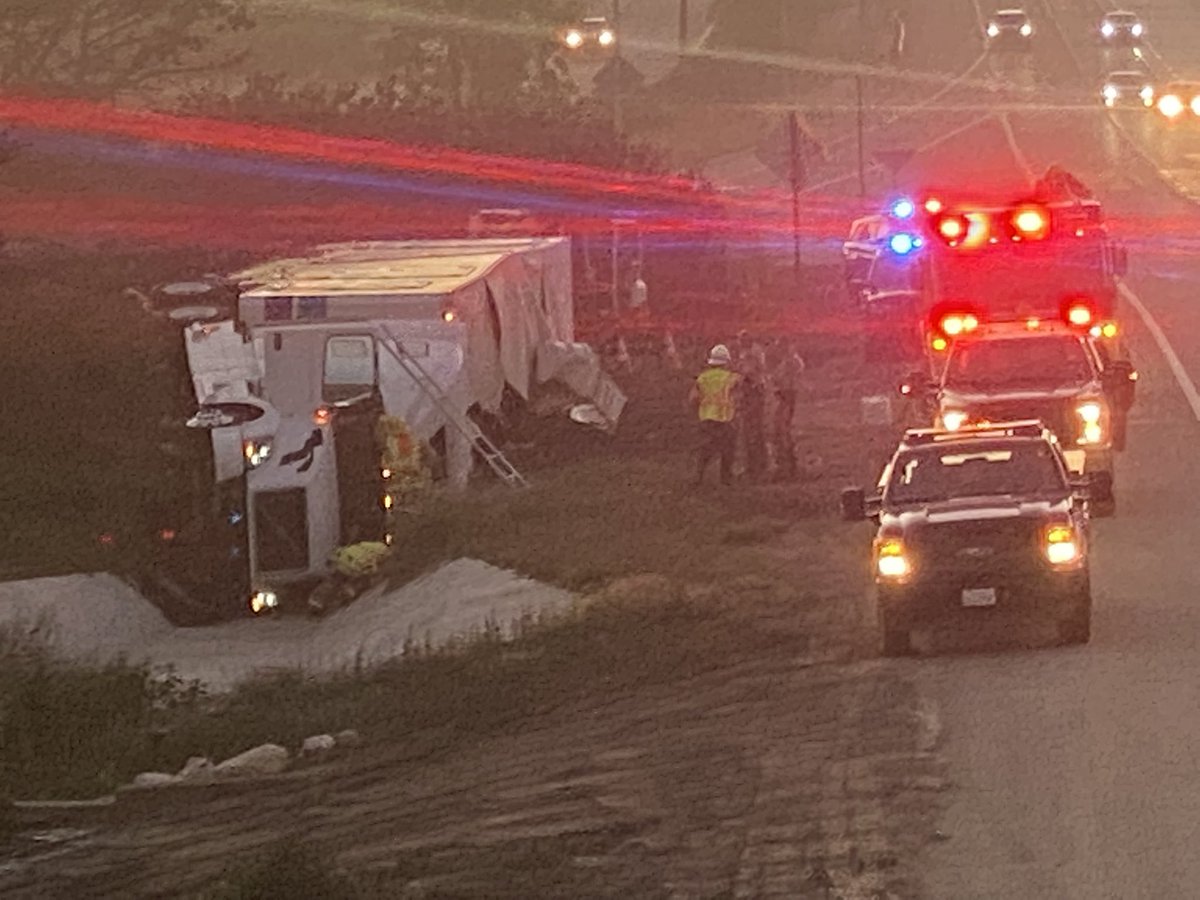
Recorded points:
(352, 568)
(713, 396)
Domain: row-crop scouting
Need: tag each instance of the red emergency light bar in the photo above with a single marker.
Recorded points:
(956, 320)
(970, 228)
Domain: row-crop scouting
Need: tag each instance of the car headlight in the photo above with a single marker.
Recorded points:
(891, 562)
(953, 419)
(1147, 94)
(1090, 411)
(1026, 30)
(1110, 93)
(1107, 29)
(1137, 30)
(607, 38)
(1061, 545)
(573, 39)
(993, 30)
(1195, 105)
(1170, 106)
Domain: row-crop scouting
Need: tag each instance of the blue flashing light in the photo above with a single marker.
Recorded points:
(903, 243)
(904, 208)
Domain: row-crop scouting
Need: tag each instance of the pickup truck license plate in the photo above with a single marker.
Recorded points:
(979, 597)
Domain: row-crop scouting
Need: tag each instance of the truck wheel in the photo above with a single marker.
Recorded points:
(897, 634)
(1076, 626)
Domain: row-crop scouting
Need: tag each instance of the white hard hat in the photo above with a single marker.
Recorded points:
(719, 356)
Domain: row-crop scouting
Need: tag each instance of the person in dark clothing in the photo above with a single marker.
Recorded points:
(787, 374)
(752, 410)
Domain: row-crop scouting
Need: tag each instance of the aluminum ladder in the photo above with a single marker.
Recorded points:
(480, 442)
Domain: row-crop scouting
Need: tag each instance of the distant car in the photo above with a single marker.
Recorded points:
(1011, 27)
(1121, 27)
(1127, 88)
(1179, 101)
(979, 524)
(591, 34)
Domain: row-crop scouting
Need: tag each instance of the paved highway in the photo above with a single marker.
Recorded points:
(1075, 770)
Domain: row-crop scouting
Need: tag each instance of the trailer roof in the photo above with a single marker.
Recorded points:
(430, 267)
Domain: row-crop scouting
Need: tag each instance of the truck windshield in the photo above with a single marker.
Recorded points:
(1018, 363)
(1012, 468)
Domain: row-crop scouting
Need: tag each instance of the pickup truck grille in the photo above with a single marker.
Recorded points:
(993, 550)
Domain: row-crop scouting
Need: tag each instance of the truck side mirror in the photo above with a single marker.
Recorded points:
(1095, 487)
(916, 384)
(854, 504)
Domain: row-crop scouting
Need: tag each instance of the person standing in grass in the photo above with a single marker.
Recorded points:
(752, 366)
(713, 396)
(787, 376)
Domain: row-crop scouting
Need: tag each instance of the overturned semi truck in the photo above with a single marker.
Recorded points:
(425, 333)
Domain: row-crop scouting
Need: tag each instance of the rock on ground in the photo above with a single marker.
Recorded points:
(265, 759)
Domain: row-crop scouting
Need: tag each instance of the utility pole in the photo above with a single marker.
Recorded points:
(858, 90)
(618, 88)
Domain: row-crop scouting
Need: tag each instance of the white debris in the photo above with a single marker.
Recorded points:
(86, 618)
(100, 618)
(348, 738)
(154, 779)
(265, 759)
(317, 745)
(198, 770)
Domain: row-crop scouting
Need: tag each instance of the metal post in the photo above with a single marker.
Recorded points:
(683, 24)
(862, 168)
(794, 142)
(615, 269)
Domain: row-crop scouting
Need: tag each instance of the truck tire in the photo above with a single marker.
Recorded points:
(897, 633)
(1076, 626)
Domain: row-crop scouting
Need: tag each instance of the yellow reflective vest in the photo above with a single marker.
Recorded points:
(715, 389)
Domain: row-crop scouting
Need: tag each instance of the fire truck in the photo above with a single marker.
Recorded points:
(969, 262)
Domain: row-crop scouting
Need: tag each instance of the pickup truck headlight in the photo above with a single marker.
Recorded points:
(891, 563)
(1091, 414)
(1061, 545)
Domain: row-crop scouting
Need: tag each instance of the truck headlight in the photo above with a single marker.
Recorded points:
(262, 601)
(891, 563)
(993, 30)
(1091, 414)
(953, 419)
(1026, 30)
(256, 452)
(1061, 545)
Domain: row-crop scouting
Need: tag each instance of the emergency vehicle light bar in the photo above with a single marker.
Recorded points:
(1031, 428)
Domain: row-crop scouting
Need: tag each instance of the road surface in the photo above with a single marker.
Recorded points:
(1074, 770)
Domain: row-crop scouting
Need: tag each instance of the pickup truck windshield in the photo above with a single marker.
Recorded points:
(1024, 363)
(1013, 468)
